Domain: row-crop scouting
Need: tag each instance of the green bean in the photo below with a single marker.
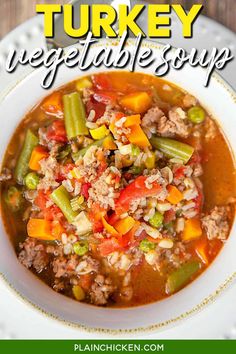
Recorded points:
(196, 115)
(22, 165)
(173, 148)
(61, 198)
(157, 220)
(146, 245)
(74, 112)
(181, 276)
(83, 151)
(31, 180)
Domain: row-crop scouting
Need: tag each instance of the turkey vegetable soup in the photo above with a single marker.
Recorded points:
(118, 189)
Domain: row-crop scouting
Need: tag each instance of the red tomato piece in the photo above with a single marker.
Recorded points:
(57, 132)
(199, 200)
(135, 190)
(169, 216)
(41, 199)
(113, 219)
(98, 107)
(50, 213)
(102, 82)
(62, 175)
(108, 246)
(84, 190)
(97, 226)
(105, 97)
(179, 173)
(85, 281)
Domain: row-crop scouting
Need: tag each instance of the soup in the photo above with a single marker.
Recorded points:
(118, 189)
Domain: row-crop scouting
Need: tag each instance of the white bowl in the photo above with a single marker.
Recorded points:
(220, 100)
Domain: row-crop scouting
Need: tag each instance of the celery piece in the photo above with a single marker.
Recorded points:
(22, 166)
(74, 113)
(181, 276)
(61, 198)
(172, 148)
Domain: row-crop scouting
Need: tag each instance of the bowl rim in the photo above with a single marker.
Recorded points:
(159, 325)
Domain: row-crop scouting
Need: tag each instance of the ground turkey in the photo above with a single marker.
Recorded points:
(156, 122)
(101, 290)
(216, 223)
(33, 254)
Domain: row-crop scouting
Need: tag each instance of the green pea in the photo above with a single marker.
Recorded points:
(157, 220)
(135, 151)
(81, 247)
(196, 115)
(146, 245)
(13, 198)
(31, 180)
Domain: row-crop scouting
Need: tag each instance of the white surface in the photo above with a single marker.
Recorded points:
(19, 320)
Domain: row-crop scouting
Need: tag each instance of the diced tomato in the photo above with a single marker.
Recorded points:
(85, 281)
(113, 219)
(169, 216)
(53, 104)
(84, 190)
(105, 97)
(98, 107)
(108, 246)
(95, 216)
(199, 200)
(135, 190)
(62, 175)
(49, 213)
(57, 132)
(97, 226)
(52, 213)
(179, 173)
(125, 240)
(101, 168)
(102, 82)
(41, 199)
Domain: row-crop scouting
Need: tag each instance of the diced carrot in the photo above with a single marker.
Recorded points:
(124, 225)
(153, 240)
(37, 155)
(53, 104)
(201, 250)
(85, 281)
(108, 143)
(40, 228)
(109, 228)
(57, 229)
(192, 230)
(137, 136)
(174, 195)
(132, 120)
(112, 126)
(138, 102)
